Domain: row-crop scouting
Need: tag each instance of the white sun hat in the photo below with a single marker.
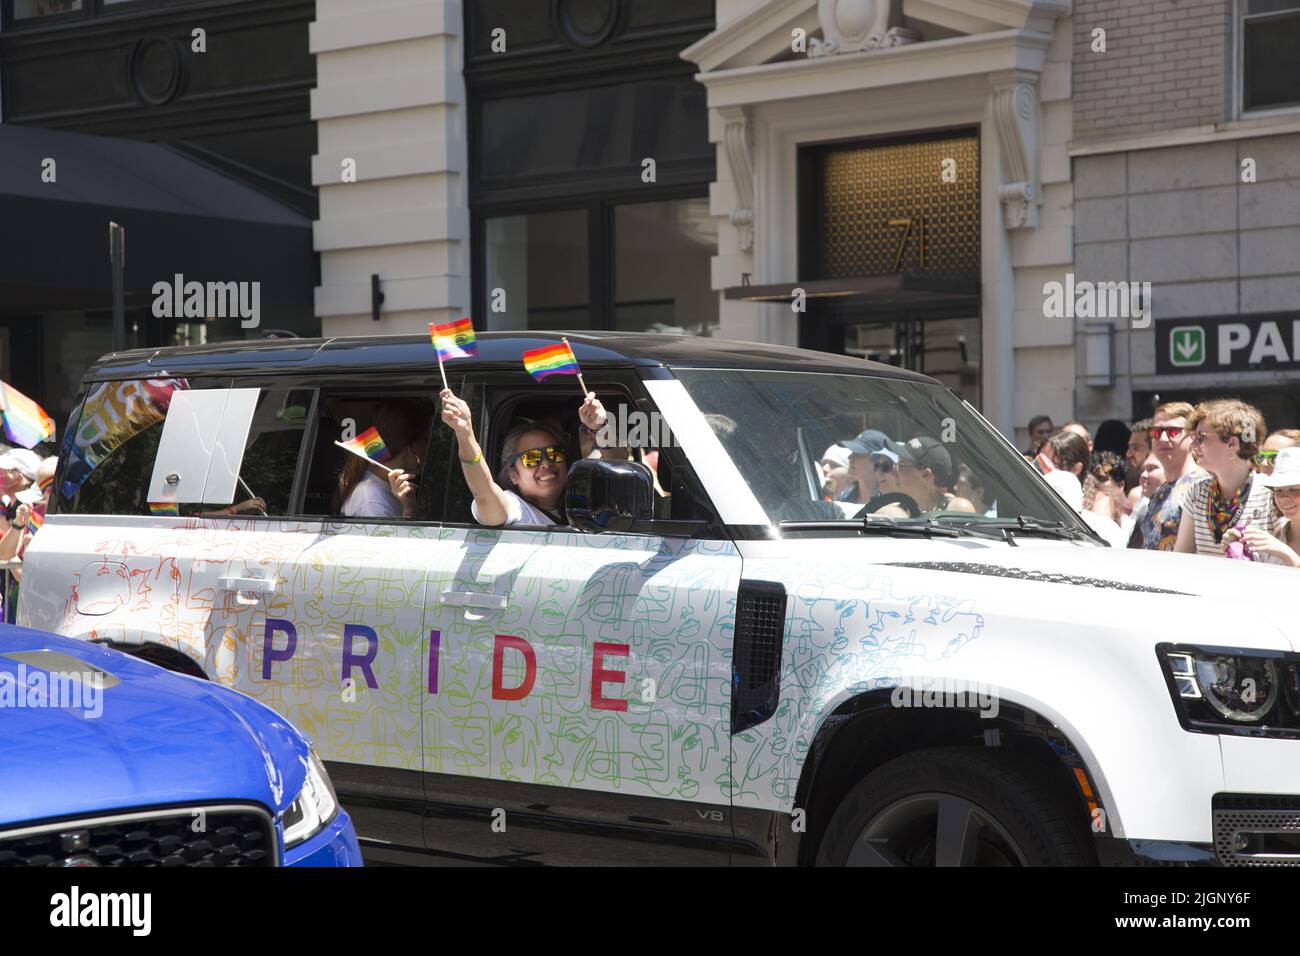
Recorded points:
(1286, 470)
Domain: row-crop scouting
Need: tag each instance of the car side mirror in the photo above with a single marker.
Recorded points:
(608, 496)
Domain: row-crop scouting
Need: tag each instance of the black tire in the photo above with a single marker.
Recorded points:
(998, 812)
(164, 657)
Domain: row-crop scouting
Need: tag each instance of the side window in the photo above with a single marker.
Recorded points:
(634, 430)
(111, 456)
(274, 443)
(340, 484)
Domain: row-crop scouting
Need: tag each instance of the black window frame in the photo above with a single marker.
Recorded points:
(601, 297)
(90, 9)
(1240, 18)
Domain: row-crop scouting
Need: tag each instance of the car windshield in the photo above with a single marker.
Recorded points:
(916, 454)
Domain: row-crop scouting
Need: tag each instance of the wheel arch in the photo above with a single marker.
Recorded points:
(866, 731)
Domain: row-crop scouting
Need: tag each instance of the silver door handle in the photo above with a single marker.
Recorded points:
(492, 602)
(251, 585)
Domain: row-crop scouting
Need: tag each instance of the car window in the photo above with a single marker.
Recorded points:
(339, 481)
(634, 428)
(776, 426)
(110, 458)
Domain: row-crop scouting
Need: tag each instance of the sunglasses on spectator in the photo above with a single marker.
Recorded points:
(1265, 457)
(531, 458)
(1173, 431)
(882, 465)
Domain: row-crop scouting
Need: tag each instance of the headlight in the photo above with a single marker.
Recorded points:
(313, 808)
(1219, 690)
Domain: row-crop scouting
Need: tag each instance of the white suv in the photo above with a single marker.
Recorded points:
(708, 662)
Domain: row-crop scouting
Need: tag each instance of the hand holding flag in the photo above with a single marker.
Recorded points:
(370, 446)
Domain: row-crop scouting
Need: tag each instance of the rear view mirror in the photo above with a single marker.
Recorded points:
(609, 496)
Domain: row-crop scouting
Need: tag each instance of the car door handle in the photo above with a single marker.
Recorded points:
(492, 602)
(251, 585)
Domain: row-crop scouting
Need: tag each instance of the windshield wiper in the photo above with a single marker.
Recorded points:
(883, 524)
(1033, 526)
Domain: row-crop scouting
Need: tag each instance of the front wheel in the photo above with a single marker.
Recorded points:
(954, 806)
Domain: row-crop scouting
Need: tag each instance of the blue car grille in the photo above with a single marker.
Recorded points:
(225, 835)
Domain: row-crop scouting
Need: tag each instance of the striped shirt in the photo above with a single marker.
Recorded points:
(1258, 510)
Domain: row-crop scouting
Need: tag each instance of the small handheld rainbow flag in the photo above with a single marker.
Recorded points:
(454, 339)
(167, 506)
(37, 519)
(368, 445)
(25, 422)
(551, 360)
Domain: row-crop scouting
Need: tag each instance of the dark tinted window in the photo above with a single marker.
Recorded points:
(1270, 41)
(401, 420)
(110, 458)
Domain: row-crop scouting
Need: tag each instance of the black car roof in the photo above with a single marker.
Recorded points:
(404, 352)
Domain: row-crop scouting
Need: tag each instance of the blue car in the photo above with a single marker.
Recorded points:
(107, 760)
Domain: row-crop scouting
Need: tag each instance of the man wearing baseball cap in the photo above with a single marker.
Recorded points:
(862, 451)
(925, 473)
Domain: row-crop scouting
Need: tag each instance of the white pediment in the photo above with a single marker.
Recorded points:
(768, 31)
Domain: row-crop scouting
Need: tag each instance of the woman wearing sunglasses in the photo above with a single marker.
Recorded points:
(1284, 481)
(1279, 440)
(529, 487)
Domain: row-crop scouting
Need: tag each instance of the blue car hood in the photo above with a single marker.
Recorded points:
(159, 738)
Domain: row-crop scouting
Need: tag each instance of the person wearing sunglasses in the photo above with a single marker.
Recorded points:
(1283, 547)
(1224, 434)
(1171, 442)
(529, 486)
(1276, 442)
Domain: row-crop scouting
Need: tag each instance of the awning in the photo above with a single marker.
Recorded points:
(891, 291)
(181, 217)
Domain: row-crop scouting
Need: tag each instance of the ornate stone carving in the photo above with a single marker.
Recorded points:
(853, 26)
(735, 138)
(1014, 107)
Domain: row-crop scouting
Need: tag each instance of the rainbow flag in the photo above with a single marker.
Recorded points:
(454, 339)
(168, 506)
(368, 445)
(25, 422)
(37, 519)
(551, 360)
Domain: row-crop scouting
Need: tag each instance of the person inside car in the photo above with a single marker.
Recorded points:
(367, 491)
(529, 486)
(925, 474)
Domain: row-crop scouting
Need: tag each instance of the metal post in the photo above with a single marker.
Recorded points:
(117, 256)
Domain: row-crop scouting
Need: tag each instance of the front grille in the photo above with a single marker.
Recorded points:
(1026, 574)
(1257, 830)
(225, 835)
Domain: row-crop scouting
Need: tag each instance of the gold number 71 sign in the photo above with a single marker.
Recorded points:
(907, 232)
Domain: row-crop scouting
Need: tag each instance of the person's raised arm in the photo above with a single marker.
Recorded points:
(493, 508)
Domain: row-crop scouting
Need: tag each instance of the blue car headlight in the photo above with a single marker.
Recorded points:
(314, 807)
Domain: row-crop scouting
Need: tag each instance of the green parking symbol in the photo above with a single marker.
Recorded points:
(1186, 346)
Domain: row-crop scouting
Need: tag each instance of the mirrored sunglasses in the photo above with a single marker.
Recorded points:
(1265, 457)
(1173, 431)
(533, 457)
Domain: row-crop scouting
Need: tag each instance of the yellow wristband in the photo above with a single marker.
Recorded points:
(473, 460)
